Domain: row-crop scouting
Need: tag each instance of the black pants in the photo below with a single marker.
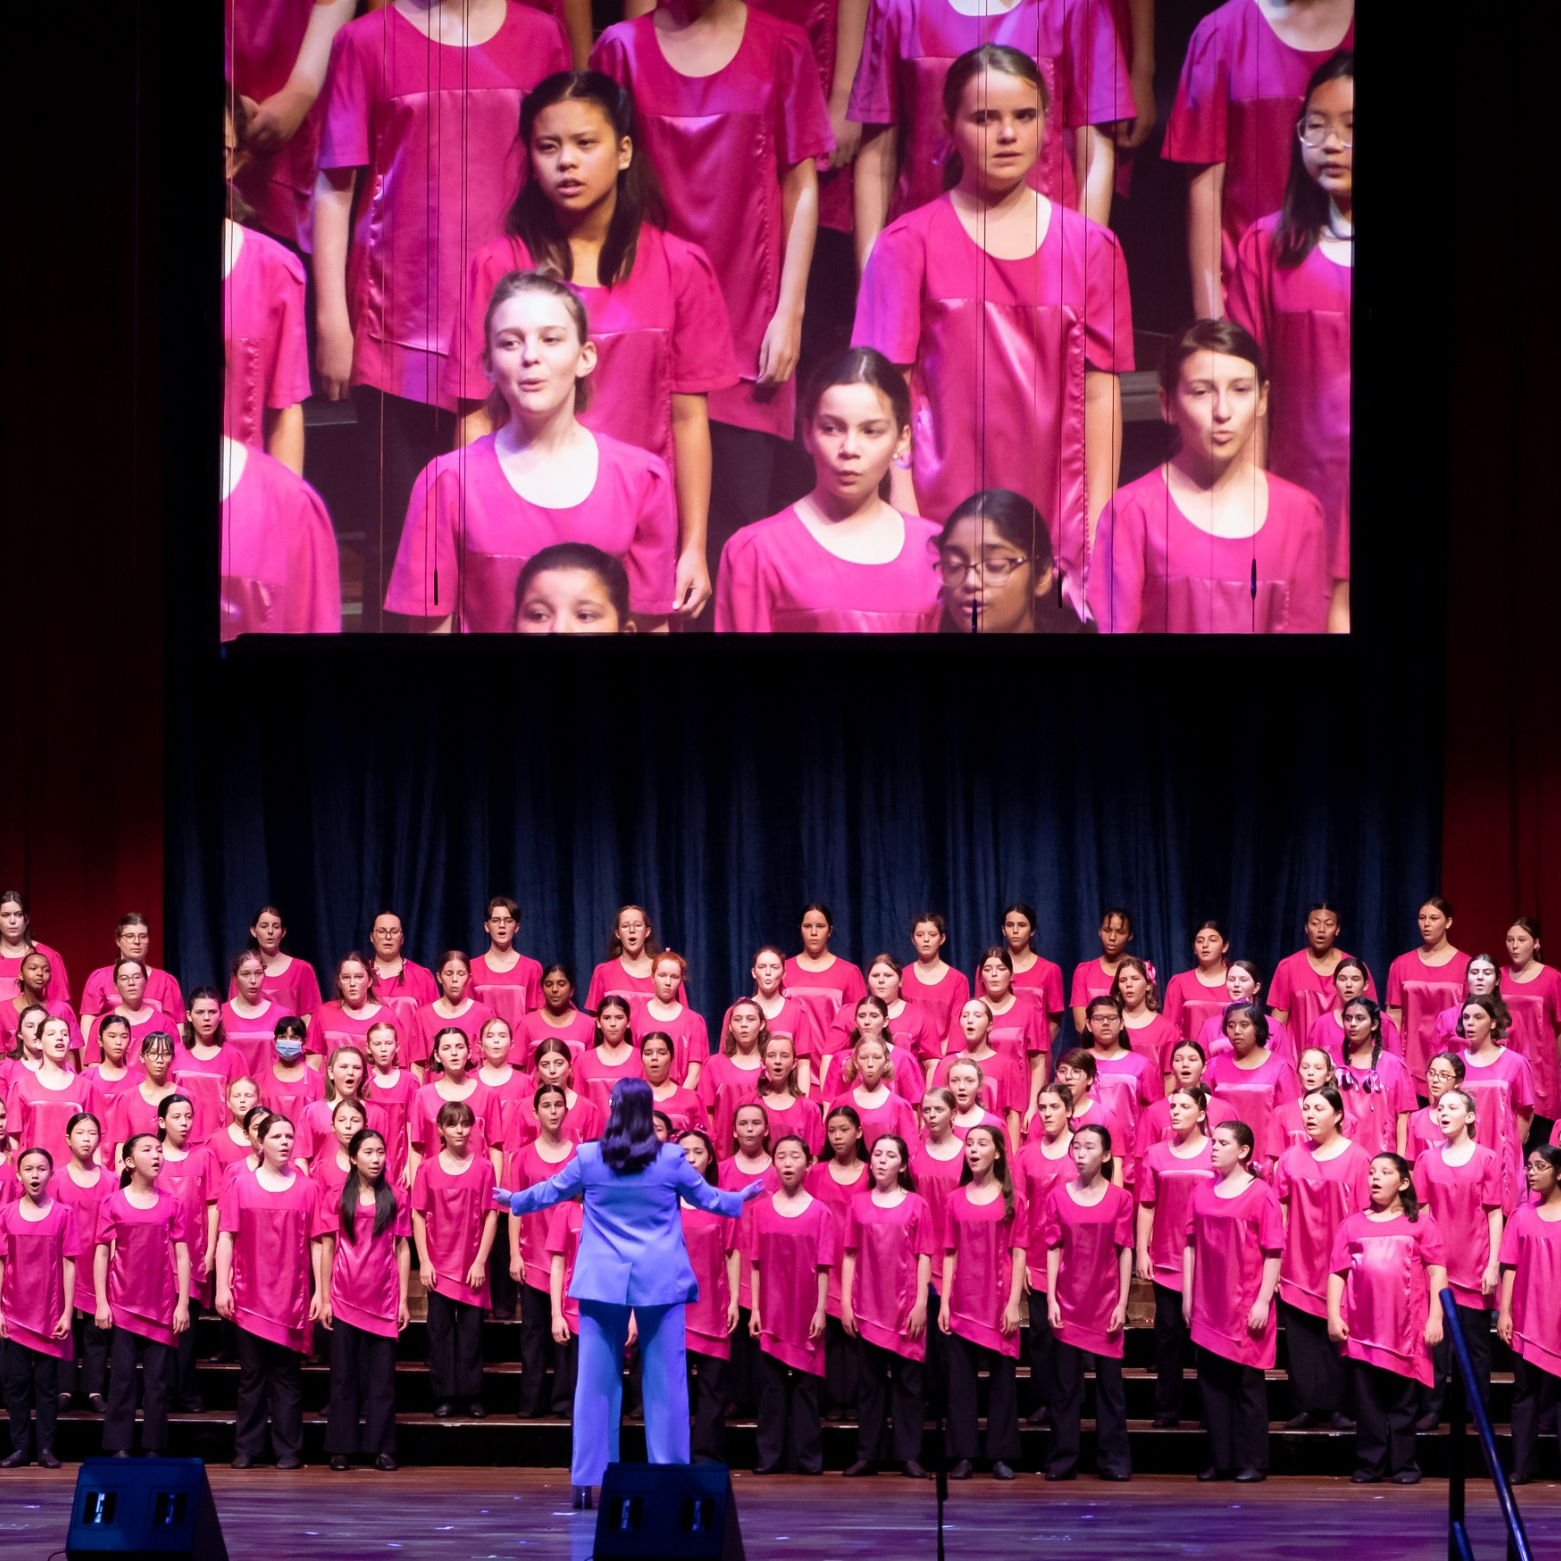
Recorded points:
(1112, 1455)
(886, 1380)
(742, 1370)
(537, 1348)
(182, 1388)
(743, 466)
(1319, 1376)
(1477, 1334)
(454, 1349)
(1002, 1402)
(91, 1344)
(504, 1290)
(935, 1376)
(707, 1395)
(397, 438)
(1235, 1412)
(1170, 1351)
(1535, 1393)
(840, 1365)
(1384, 1419)
(363, 1382)
(788, 1430)
(125, 1352)
(269, 1383)
(32, 1388)
(1042, 1345)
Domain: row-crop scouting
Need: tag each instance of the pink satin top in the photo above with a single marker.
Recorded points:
(262, 337)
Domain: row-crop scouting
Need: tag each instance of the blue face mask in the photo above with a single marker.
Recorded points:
(289, 1051)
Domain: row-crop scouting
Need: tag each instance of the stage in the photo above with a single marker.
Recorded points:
(475, 1515)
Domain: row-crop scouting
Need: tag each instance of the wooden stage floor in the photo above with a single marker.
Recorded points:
(485, 1514)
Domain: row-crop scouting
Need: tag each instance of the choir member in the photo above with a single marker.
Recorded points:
(842, 559)
(590, 212)
(34, 978)
(204, 1063)
(1076, 1069)
(1503, 1090)
(889, 1246)
(82, 1185)
(817, 977)
(231, 1145)
(1389, 1266)
(1132, 1055)
(331, 1168)
(455, 1083)
(1303, 985)
(552, 1063)
(1443, 1072)
(556, 1016)
(39, 1247)
(682, 1107)
(792, 1238)
(732, 118)
(991, 277)
(613, 1057)
(1243, 84)
(1188, 1062)
(879, 1107)
(1251, 1078)
(271, 1285)
(1459, 1181)
(1530, 1280)
(400, 983)
(731, 1076)
(966, 1081)
(917, 1041)
(289, 980)
(1291, 290)
(1019, 1027)
(664, 1010)
(191, 1173)
(141, 1269)
(1093, 977)
(1481, 978)
(1531, 990)
(17, 941)
(787, 1014)
(504, 979)
(1351, 979)
(629, 969)
(869, 1021)
(132, 937)
(1168, 1174)
(392, 1089)
(41, 1104)
(930, 981)
(937, 1164)
(711, 1320)
(906, 136)
(1032, 972)
(1208, 542)
(368, 1263)
(349, 1015)
(345, 1078)
(249, 1018)
(1314, 1070)
(1244, 984)
(1378, 1094)
(455, 1008)
(834, 1180)
(288, 1085)
(1045, 1160)
(1234, 1235)
(750, 1162)
(1423, 982)
(1196, 995)
(453, 1224)
(787, 1108)
(1005, 1092)
(1087, 1230)
(143, 1015)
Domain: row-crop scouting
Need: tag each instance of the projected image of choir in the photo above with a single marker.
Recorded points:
(965, 1176)
(494, 287)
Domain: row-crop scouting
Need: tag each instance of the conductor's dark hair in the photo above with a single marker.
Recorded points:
(629, 1143)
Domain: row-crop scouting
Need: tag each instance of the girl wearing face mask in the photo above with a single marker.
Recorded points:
(930, 981)
(81, 1184)
(1530, 1274)
(1304, 986)
(1251, 1078)
(843, 559)
(39, 1248)
(1532, 993)
(1460, 1183)
(557, 1018)
(1230, 1270)
(1425, 981)
(629, 971)
(478, 513)
(132, 939)
(1087, 1230)
(42, 1103)
(1318, 1183)
(1188, 1063)
(347, 1018)
(1501, 1085)
(613, 1057)
(1093, 977)
(289, 1085)
(192, 1175)
(1208, 542)
(1167, 1176)
(133, 1006)
(1044, 1161)
(1389, 1265)
(17, 942)
(731, 1076)
(455, 1008)
(290, 981)
(249, 1018)
(1192, 997)
(834, 1181)
(1350, 981)
(944, 289)
(1378, 1096)
(665, 1011)
(1291, 290)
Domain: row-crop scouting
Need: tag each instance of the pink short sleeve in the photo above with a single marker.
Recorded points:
(875, 92)
(742, 604)
(1271, 1225)
(1122, 1229)
(1339, 1260)
(227, 1209)
(828, 1242)
(927, 1240)
(349, 96)
(1522, 1084)
(108, 1225)
(1099, 90)
(1433, 1249)
(178, 1225)
(1246, 302)
(853, 1232)
(420, 1189)
(1051, 1223)
(802, 130)
(1280, 993)
(1115, 590)
(1395, 984)
(430, 545)
(651, 561)
(702, 355)
(289, 380)
(1078, 996)
(558, 1230)
(1195, 132)
(1490, 1184)
(1108, 312)
(1508, 1255)
(1144, 1184)
(888, 309)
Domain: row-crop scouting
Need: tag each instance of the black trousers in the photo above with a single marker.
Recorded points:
(182, 1389)
(31, 1383)
(1385, 1405)
(126, 1351)
(887, 1381)
(1112, 1455)
(840, 1367)
(504, 1290)
(1535, 1393)
(270, 1383)
(1042, 1346)
(454, 1349)
(1235, 1412)
(1170, 1351)
(788, 1431)
(935, 1376)
(1477, 1334)
(1319, 1375)
(537, 1349)
(397, 438)
(743, 468)
(91, 1342)
(707, 1395)
(363, 1383)
(1002, 1402)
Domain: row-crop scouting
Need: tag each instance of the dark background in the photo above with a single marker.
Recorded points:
(724, 785)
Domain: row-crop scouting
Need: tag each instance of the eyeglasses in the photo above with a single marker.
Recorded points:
(1315, 129)
(953, 569)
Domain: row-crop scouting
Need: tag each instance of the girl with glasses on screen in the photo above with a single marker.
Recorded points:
(843, 559)
(995, 563)
(1208, 542)
(1291, 290)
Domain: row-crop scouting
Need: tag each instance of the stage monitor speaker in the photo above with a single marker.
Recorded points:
(668, 1512)
(144, 1509)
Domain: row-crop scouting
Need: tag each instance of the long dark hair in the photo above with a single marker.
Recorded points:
(1000, 1166)
(629, 1142)
(964, 70)
(1305, 206)
(531, 217)
(384, 1196)
(1406, 1193)
(1014, 519)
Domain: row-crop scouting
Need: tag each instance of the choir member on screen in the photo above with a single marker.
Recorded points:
(17, 941)
(1531, 990)
(1530, 1280)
